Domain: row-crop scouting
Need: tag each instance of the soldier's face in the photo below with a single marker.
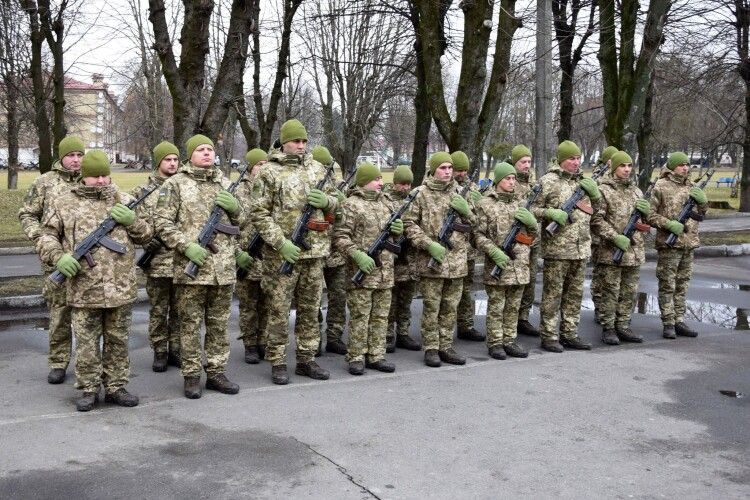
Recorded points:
(444, 172)
(256, 168)
(374, 185)
(72, 161)
(203, 156)
(460, 175)
(571, 165)
(295, 147)
(168, 165)
(101, 180)
(507, 184)
(402, 187)
(524, 164)
(682, 169)
(623, 171)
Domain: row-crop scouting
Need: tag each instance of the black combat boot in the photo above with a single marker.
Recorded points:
(279, 375)
(160, 362)
(575, 343)
(356, 367)
(408, 343)
(173, 359)
(313, 370)
(336, 347)
(56, 376)
(526, 328)
(552, 346)
(627, 335)
(451, 357)
(193, 387)
(515, 351)
(261, 351)
(683, 330)
(497, 352)
(121, 397)
(221, 383)
(251, 355)
(381, 365)
(609, 337)
(390, 344)
(431, 358)
(669, 332)
(471, 334)
(87, 401)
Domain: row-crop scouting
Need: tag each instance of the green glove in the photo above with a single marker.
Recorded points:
(122, 214)
(196, 254)
(460, 205)
(364, 262)
(698, 195)
(68, 265)
(289, 252)
(643, 206)
(340, 196)
(317, 198)
(397, 227)
(622, 242)
(243, 260)
(476, 196)
(228, 202)
(499, 257)
(556, 215)
(526, 217)
(589, 185)
(437, 251)
(675, 227)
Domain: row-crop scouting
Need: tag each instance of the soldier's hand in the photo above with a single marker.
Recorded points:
(525, 217)
(228, 202)
(589, 185)
(317, 198)
(622, 242)
(675, 227)
(698, 195)
(437, 251)
(364, 262)
(644, 207)
(476, 196)
(460, 205)
(557, 215)
(243, 260)
(340, 196)
(68, 265)
(397, 227)
(289, 252)
(122, 214)
(196, 253)
(499, 257)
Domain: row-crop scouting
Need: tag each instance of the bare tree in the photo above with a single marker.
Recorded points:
(741, 12)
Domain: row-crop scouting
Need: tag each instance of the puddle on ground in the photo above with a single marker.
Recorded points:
(730, 286)
(39, 324)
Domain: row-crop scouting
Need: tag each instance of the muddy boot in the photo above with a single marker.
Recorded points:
(221, 383)
(431, 358)
(357, 367)
(408, 343)
(526, 328)
(279, 375)
(515, 351)
(627, 335)
(390, 344)
(381, 365)
(121, 397)
(251, 355)
(575, 343)
(683, 330)
(552, 346)
(451, 357)
(173, 359)
(497, 352)
(471, 334)
(609, 337)
(336, 347)
(160, 362)
(669, 332)
(311, 369)
(87, 401)
(193, 387)
(56, 376)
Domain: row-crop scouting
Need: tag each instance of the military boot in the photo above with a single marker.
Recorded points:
(381, 365)
(193, 387)
(575, 343)
(251, 355)
(336, 347)
(451, 357)
(87, 401)
(160, 362)
(174, 359)
(356, 367)
(390, 344)
(669, 332)
(526, 328)
(56, 376)
(311, 369)
(627, 335)
(408, 343)
(221, 383)
(261, 351)
(279, 375)
(515, 351)
(609, 337)
(121, 397)
(497, 352)
(552, 346)
(471, 334)
(683, 330)
(431, 358)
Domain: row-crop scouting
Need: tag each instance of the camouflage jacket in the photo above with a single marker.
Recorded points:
(403, 264)
(244, 194)
(280, 194)
(669, 195)
(573, 240)
(185, 203)
(336, 258)
(522, 192)
(594, 235)
(363, 216)
(40, 195)
(422, 223)
(112, 281)
(161, 265)
(494, 218)
(610, 219)
(473, 253)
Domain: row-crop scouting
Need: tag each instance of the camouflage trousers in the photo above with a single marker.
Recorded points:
(596, 283)
(198, 304)
(335, 279)
(465, 311)
(253, 314)
(108, 364)
(305, 286)
(529, 289)
(440, 298)
(60, 332)
(163, 328)
(502, 313)
(368, 322)
(400, 310)
(562, 292)
(673, 270)
(619, 285)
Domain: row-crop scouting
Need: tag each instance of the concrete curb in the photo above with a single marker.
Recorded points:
(32, 301)
(17, 251)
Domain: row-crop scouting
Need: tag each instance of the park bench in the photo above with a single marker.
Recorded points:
(725, 180)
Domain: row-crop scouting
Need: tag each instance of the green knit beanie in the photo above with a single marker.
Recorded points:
(403, 175)
(503, 170)
(162, 150)
(292, 130)
(69, 144)
(567, 149)
(195, 141)
(460, 161)
(366, 172)
(253, 156)
(95, 163)
(322, 155)
(438, 159)
(677, 158)
(618, 159)
(607, 154)
(518, 152)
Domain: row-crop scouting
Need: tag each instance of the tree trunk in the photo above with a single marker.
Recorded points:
(423, 117)
(542, 90)
(54, 32)
(645, 153)
(745, 178)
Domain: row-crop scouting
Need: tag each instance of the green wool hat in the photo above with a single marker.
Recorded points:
(403, 175)
(567, 149)
(95, 163)
(69, 144)
(518, 152)
(438, 159)
(322, 155)
(607, 154)
(460, 161)
(366, 172)
(162, 150)
(677, 158)
(503, 170)
(195, 141)
(253, 156)
(292, 130)
(618, 159)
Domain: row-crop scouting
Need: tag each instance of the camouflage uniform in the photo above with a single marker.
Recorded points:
(441, 288)
(675, 265)
(100, 296)
(334, 275)
(46, 188)
(564, 255)
(184, 205)
(619, 282)
(597, 274)
(523, 188)
(399, 315)
(279, 195)
(465, 311)
(364, 214)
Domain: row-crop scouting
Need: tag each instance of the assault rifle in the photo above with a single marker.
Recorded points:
(344, 184)
(634, 224)
(688, 210)
(253, 248)
(98, 237)
(214, 225)
(144, 261)
(575, 202)
(382, 242)
(514, 235)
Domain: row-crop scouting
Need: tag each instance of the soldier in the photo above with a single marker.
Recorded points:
(364, 213)
(619, 282)
(440, 287)
(675, 265)
(283, 187)
(184, 206)
(163, 329)
(45, 188)
(495, 215)
(252, 307)
(101, 296)
(399, 316)
(565, 253)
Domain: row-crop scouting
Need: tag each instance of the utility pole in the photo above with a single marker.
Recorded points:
(543, 90)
